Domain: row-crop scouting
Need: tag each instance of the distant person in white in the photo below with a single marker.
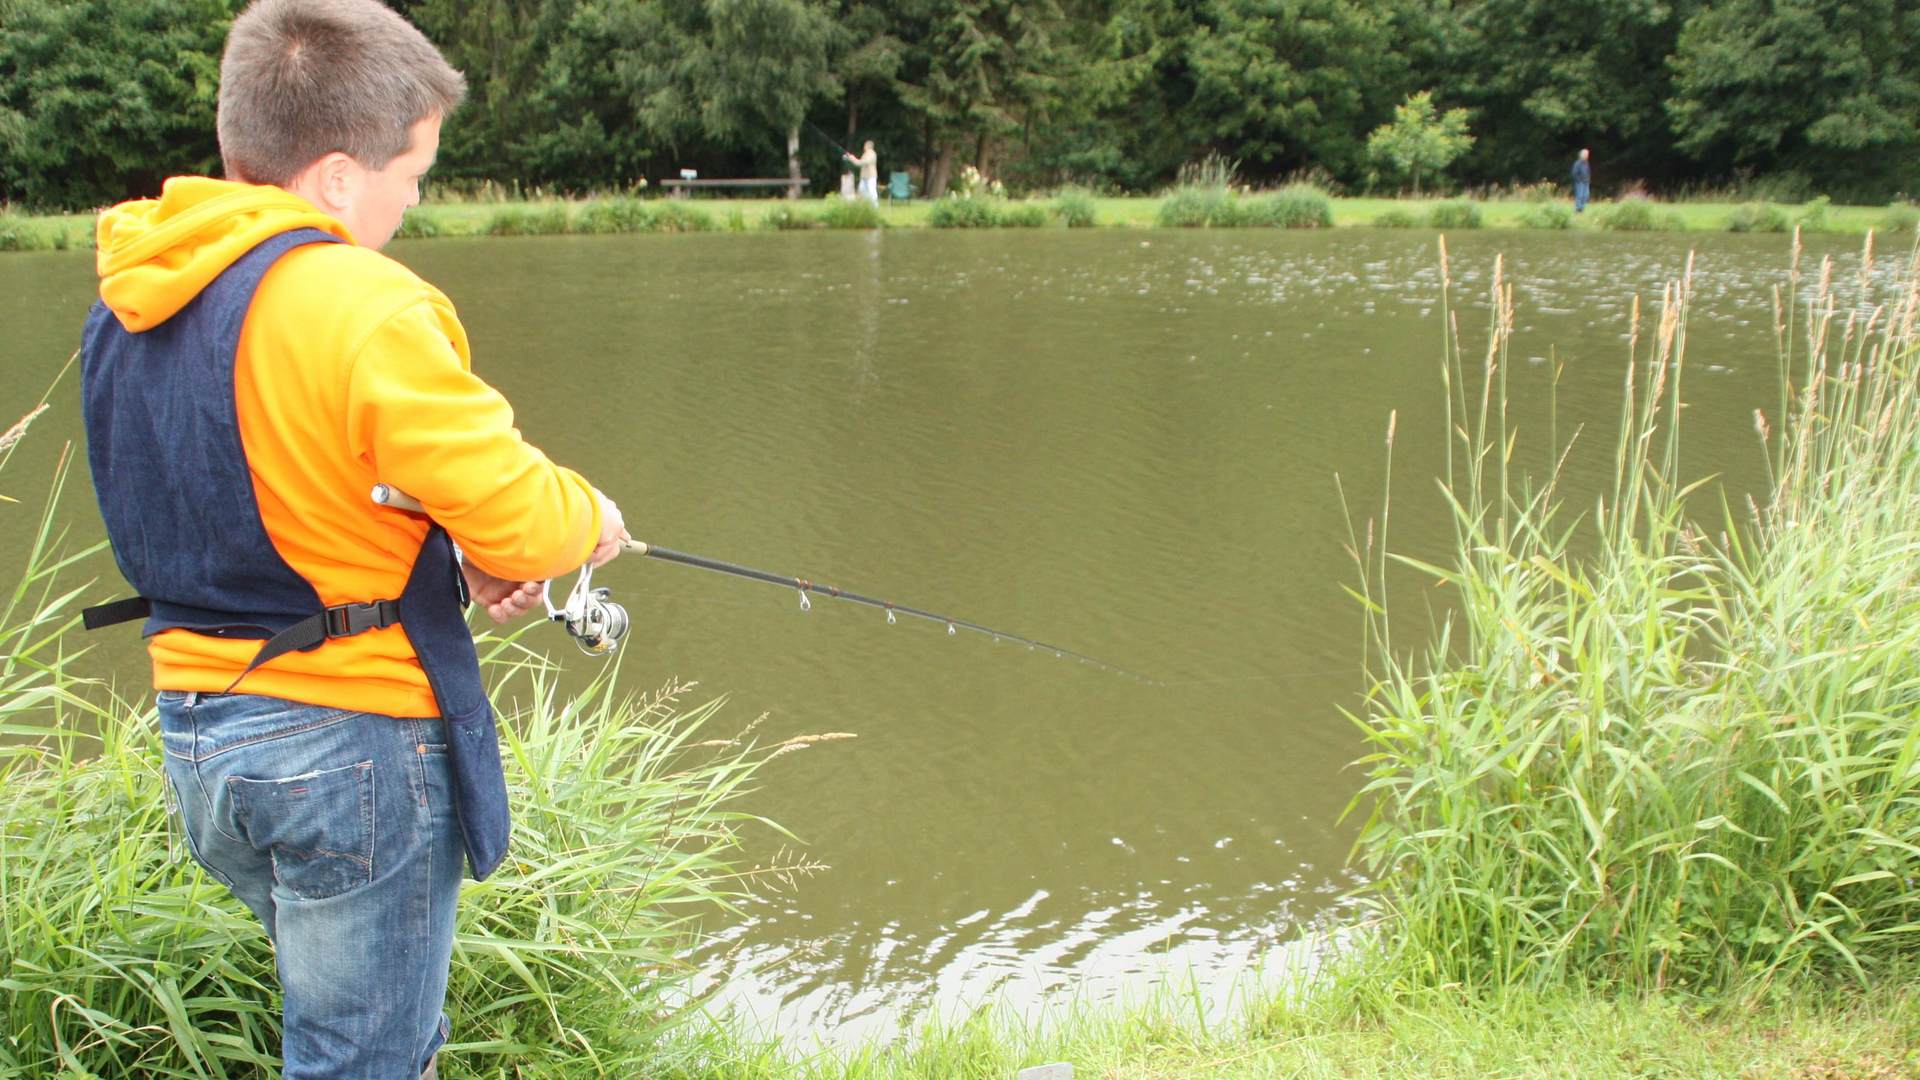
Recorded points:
(869, 164)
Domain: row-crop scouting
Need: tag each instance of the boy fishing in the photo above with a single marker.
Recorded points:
(254, 366)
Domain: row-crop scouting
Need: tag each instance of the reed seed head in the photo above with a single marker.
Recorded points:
(19, 428)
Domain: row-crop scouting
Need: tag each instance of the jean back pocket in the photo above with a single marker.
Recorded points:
(317, 827)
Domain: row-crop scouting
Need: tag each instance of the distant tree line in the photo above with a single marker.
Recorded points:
(100, 99)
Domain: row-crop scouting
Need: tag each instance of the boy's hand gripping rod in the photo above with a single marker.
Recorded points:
(598, 625)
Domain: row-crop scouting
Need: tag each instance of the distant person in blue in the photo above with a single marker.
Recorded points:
(1582, 179)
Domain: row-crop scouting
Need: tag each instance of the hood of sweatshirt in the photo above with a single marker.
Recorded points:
(155, 255)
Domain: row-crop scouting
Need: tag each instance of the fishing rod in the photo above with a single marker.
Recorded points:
(830, 141)
(597, 624)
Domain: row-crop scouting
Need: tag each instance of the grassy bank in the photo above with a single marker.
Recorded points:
(1359, 1025)
(1194, 206)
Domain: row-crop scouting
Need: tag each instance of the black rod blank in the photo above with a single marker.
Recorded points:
(822, 589)
(387, 495)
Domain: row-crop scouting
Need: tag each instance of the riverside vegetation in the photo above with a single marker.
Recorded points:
(1647, 802)
(1209, 196)
(1687, 759)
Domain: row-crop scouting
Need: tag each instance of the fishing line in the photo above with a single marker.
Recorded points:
(808, 587)
(580, 613)
(1287, 676)
(830, 141)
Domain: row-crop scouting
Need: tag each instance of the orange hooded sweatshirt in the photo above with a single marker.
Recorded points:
(351, 371)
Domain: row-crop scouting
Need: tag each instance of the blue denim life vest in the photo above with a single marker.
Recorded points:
(163, 442)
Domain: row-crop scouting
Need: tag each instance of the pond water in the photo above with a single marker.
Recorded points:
(1124, 442)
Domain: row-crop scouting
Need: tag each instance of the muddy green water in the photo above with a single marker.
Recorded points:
(1124, 442)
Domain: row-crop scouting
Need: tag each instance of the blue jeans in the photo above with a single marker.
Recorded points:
(338, 829)
(1579, 196)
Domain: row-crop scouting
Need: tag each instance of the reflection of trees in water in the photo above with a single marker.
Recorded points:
(866, 303)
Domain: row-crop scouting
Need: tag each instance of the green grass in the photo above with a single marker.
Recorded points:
(1200, 206)
(841, 214)
(1548, 215)
(1686, 757)
(965, 212)
(121, 958)
(1898, 219)
(1138, 212)
(1023, 215)
(471, 217)
(542, 219)
(1757, 217)
(1637, 215)
(1459, 214)
(1076, 209)
(1297, 206)
(20, 232)
(616, 215)
(1359, 1025)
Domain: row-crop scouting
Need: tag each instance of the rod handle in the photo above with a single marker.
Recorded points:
(390, 496)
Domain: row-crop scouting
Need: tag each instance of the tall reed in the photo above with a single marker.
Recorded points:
(1686, 755)
(118, 957)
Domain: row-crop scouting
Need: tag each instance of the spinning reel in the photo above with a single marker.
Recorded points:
(595, 622)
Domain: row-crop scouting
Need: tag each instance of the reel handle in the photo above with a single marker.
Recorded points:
(595, 622)
(390, 496)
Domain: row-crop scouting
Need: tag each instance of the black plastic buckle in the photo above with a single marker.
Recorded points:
(346, 620)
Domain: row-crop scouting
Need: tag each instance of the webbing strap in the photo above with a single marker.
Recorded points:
(341, 620)
(115, 611)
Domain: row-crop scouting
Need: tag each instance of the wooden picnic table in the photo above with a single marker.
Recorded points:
(678, 188)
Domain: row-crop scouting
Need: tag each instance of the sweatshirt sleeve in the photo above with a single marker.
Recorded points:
(430, 427)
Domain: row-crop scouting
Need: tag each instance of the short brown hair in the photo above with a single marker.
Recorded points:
(303, 78)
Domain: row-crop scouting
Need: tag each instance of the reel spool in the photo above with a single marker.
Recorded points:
(594, 622)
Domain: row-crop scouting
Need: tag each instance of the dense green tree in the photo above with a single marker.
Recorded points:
(871, 59)
(979, 71)
(1292, 84)
(101, 100)
(629, 79)
(502, 47)
(1549, 77)
(755, 66)
(1420, 139)
(1824, 91)
(1116, 119)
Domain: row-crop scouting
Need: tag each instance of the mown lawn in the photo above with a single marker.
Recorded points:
(456, 217)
